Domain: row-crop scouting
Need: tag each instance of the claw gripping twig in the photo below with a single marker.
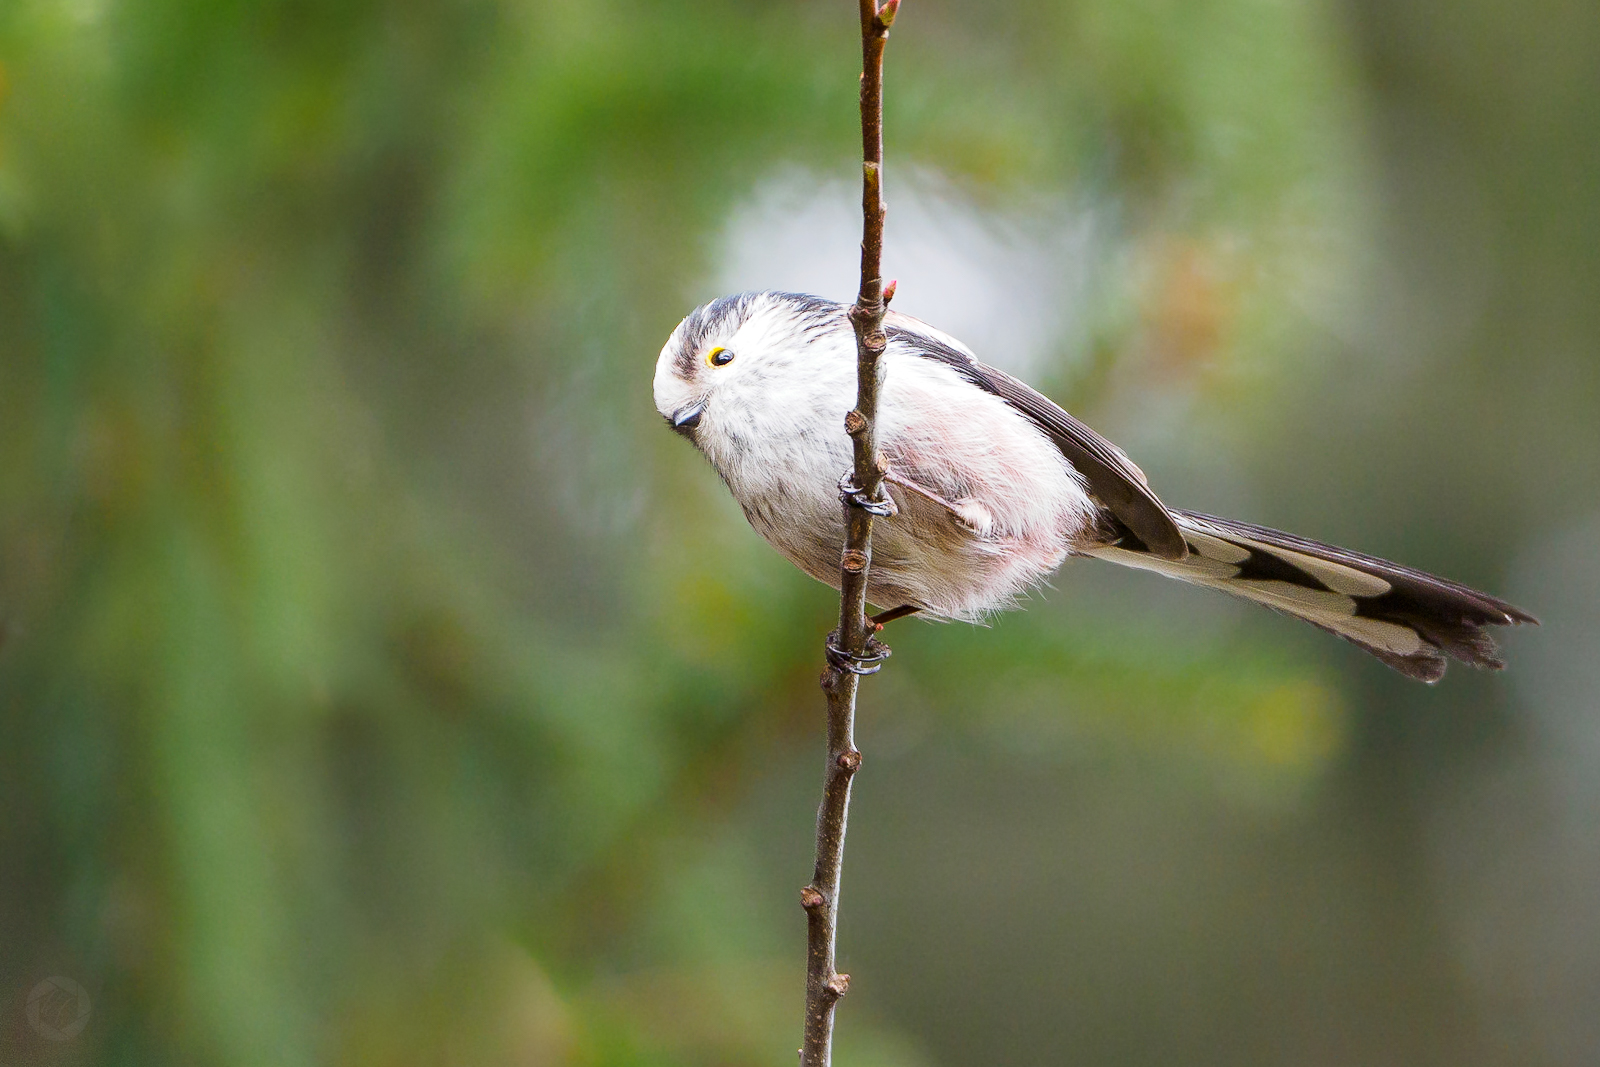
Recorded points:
(852, 494)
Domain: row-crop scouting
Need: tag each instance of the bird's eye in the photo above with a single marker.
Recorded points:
(719, 357)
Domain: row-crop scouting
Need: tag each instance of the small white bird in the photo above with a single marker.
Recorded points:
(994, 486)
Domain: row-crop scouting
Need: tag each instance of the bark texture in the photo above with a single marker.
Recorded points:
(853, 651)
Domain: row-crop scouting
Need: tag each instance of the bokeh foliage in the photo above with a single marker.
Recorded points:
(380, 684)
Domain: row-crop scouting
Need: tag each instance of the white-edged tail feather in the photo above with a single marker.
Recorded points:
(1407, 618)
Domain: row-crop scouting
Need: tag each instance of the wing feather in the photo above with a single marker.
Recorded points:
(1113, 478)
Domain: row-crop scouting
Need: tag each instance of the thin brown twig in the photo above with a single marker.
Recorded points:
(824, 985)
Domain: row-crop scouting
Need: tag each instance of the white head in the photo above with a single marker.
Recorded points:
(734, 347)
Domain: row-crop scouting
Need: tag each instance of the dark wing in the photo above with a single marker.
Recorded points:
(1112, 477)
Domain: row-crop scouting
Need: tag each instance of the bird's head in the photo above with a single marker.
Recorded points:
(731, 345)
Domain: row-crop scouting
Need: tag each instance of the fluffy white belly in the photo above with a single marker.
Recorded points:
(989, 506)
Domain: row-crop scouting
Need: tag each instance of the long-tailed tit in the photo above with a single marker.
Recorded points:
(994, 485)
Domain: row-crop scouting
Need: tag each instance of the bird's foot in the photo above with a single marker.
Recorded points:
(867, 662)
(856, 497)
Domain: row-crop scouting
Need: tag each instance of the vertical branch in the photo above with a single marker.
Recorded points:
(824, 985)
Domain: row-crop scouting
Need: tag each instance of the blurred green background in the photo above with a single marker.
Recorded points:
(382, 684)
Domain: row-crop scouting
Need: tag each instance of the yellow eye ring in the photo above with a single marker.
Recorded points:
(719, 357)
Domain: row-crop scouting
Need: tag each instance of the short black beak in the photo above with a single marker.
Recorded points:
(687, 418)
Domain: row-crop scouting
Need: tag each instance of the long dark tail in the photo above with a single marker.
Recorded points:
(1408, 619)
